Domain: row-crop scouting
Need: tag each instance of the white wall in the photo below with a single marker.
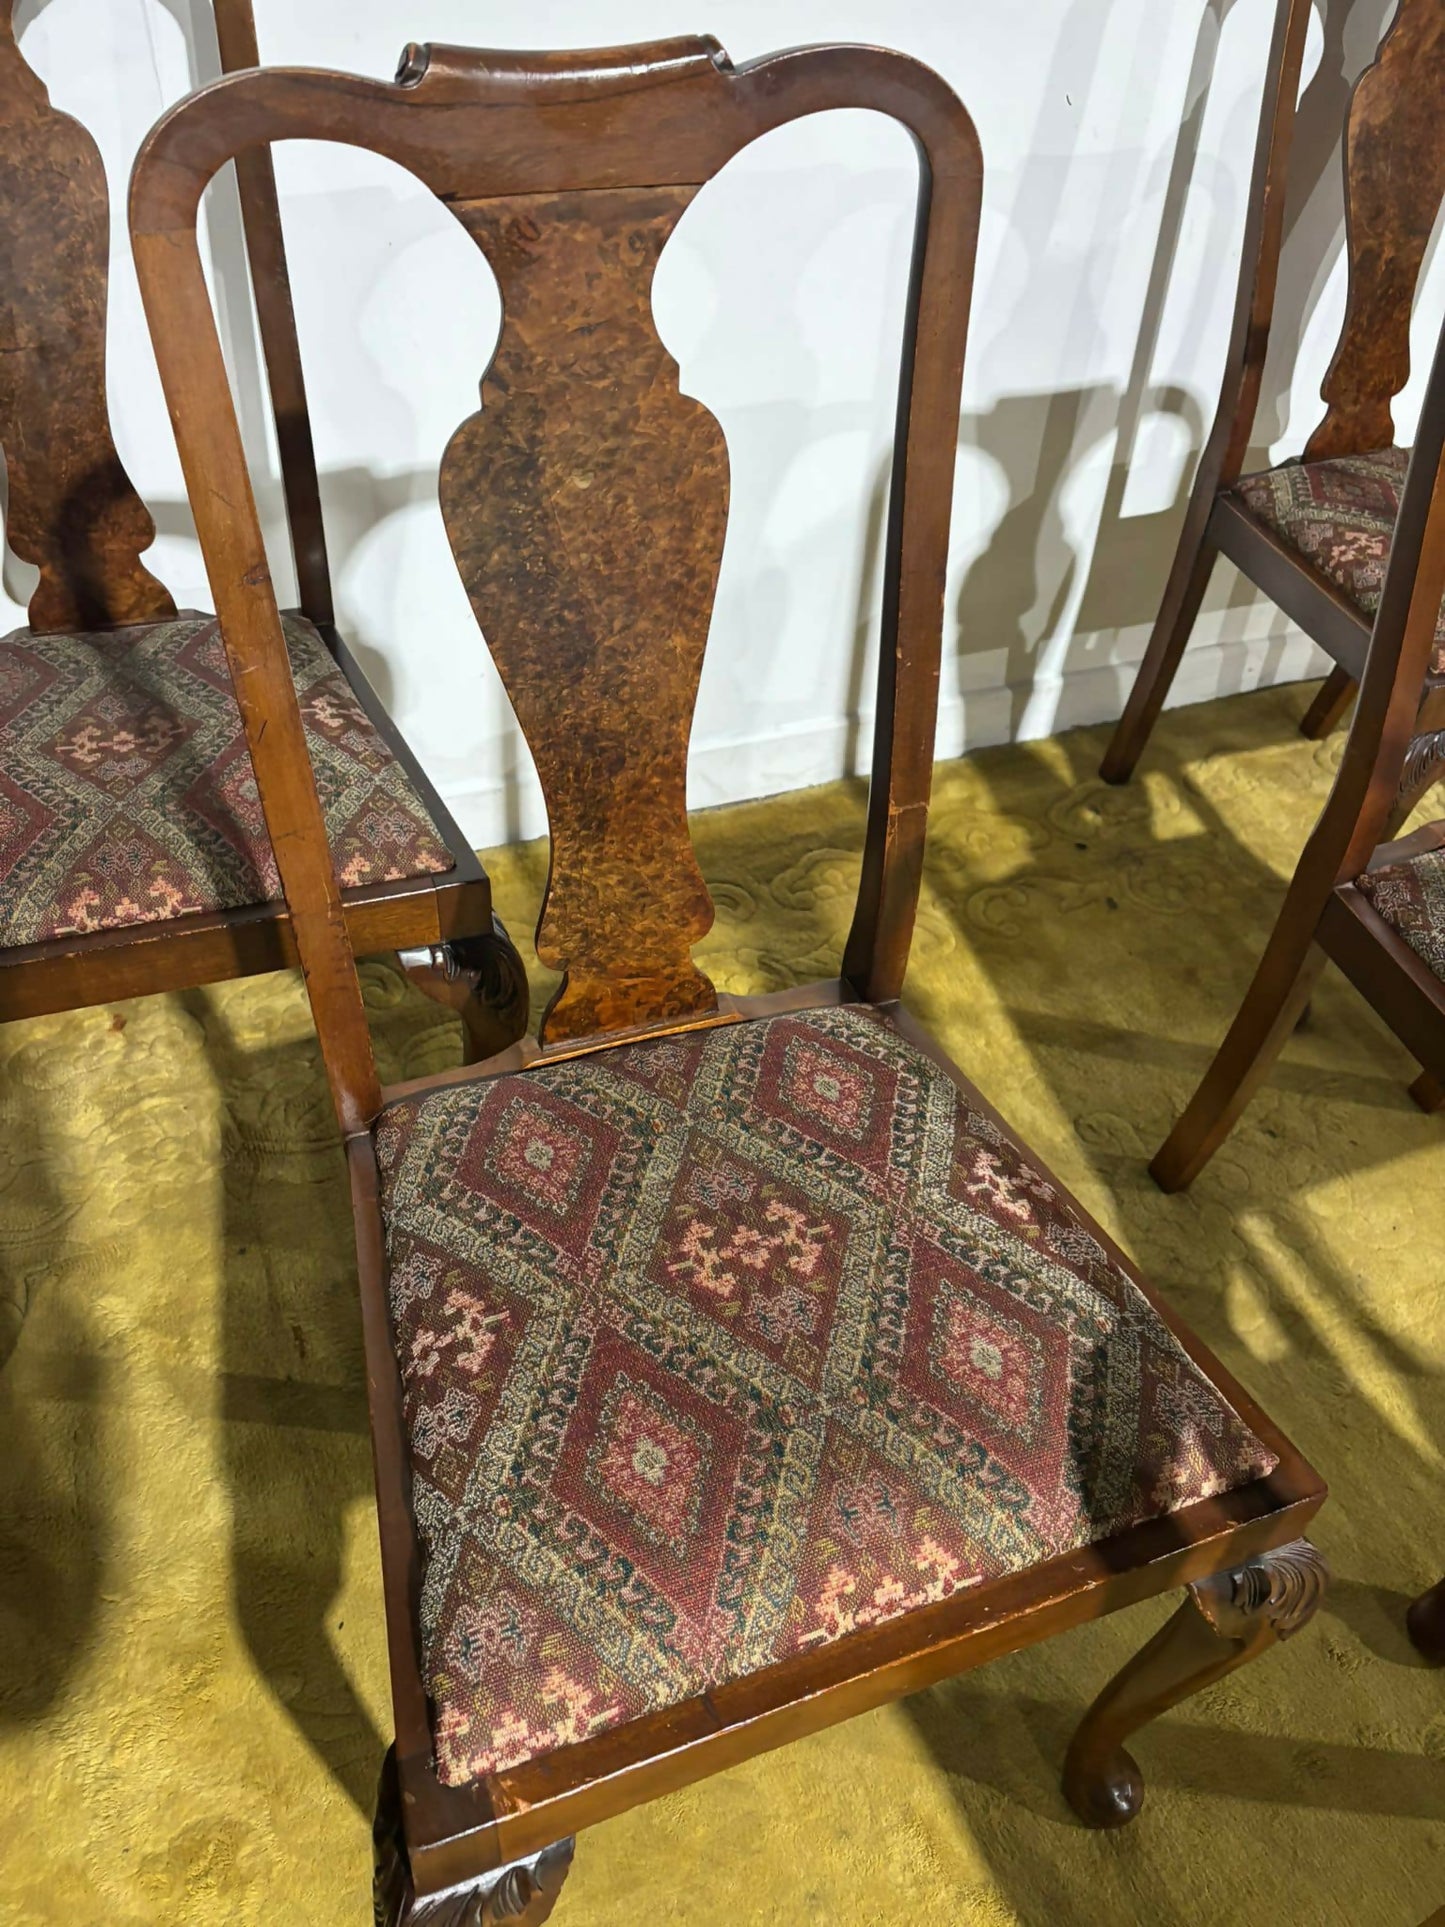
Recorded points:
(1117, 137)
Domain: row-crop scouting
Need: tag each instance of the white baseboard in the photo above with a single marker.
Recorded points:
(818, 752)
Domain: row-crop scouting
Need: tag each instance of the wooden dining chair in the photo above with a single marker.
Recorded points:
(1375, 908)
(732, 1367)
(133, 852)
(1315, 534)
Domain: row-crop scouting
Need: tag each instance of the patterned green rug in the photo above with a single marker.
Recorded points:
(193, 1689)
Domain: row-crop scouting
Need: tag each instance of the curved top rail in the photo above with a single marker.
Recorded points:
(481, 125)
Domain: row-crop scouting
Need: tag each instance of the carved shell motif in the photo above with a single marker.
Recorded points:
(1281, 1588)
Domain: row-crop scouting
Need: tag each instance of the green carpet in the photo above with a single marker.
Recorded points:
(193, 1694)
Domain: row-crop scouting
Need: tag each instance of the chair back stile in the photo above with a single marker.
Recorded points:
(276, 322)
(586, 501)
(1387, 715)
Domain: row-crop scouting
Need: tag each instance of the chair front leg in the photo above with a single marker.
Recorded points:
(1272, 1007)
(481, 978)
(522, 1894)
(1225, 1621)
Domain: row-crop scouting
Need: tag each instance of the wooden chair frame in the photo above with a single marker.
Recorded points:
(1394, 179)
(74, 514)
(520, 145)
(1396, 746)
(1386, 766)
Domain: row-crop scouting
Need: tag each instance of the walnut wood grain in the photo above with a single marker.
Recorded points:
(276, 323)
(586, 505)
(73, 512)
(1394, 181)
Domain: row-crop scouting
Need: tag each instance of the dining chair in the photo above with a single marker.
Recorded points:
(732, 1366)
(133, 851)
(1315, 533)
(1375, 908)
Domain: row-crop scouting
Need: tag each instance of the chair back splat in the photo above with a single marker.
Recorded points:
(72, 510)
(586, 501)
(276, 319)
(1394, 184)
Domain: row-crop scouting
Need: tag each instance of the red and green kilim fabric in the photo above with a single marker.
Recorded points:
(1410, 896)
(718, 1347)
(127, 795)
(1340, 516)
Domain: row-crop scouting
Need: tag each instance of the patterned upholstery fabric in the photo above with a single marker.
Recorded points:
(127, 795)
(718, 1347)
(1339, 515)
(1410, 896)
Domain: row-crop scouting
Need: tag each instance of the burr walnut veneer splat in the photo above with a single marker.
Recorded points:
(732, 1369)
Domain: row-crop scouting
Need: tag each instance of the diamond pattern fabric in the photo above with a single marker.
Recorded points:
(127, 796)
(718, 1347)
(1340, 516)
(1410, 896)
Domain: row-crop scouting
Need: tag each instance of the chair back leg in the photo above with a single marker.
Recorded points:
(1334, 697)
(1188, 579)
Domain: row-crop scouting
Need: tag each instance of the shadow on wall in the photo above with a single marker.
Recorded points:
(1017, 595)
(1043, 600)
(1040, 610)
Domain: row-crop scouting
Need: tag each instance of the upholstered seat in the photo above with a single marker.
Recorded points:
(1410, 896)
(718, 1347)
(1340, 516)
(127, 796)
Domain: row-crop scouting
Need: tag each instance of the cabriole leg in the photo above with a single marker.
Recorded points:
(520, 1895)
(1225, 1621)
